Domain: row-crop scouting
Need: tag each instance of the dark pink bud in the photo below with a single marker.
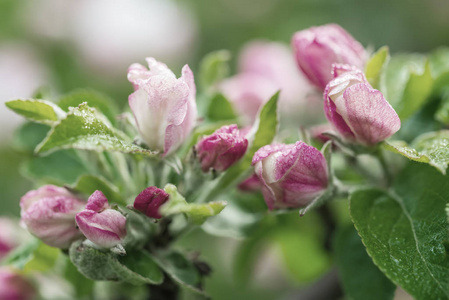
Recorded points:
(358, 112)
(14, 286)
(49, 214)
(102, 225)
(221, 149)
(292, 175)
(250, 184)
(149, 201)
(317, 48)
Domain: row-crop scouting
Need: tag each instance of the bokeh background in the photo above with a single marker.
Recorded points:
(63, 45)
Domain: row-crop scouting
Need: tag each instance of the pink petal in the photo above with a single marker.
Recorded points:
(370, 116)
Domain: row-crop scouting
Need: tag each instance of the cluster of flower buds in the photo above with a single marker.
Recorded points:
(164, 106)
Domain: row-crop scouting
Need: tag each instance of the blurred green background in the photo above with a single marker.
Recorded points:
(64, 45)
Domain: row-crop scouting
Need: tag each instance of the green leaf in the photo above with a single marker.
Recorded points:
(416, 92)
(431, 148)
(375, 66)
(40, 111)
(405, 230)
(93, 98)
(214, 67)
(85, 129)
(138, 267)
(220, 109)
(361, 279)
(134, 268)
(233, 222)
(43, 259)
(59, 168)
(439, 65)
(33, 256)
(29, 135)
(397, 75)
(81, 285)
(20, 256)
(180, 269)
(197, 213)
(442, 114)
(93, 263)
(265, 129)
(88, 184)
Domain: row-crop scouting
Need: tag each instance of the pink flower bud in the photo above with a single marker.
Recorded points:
(49, 214)
(149, 201)
(317, 48)
(221, 149)
(250, 184)
(100, 224)
(14, 286)
(358, 112)
(248, 92)
(292, 175)
(11, 235)
(164, 106)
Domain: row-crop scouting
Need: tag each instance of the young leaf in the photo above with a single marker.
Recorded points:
(39, 111)
(82, 285)
(439, 65)
(43, 258)
(197, 213)
(442, 114)
(397, 74)
(88, 184)
(375, 66)
(59, 168)
(135, 267)
(214, 67)
(220, 109)
(405, 230)
(431, 148)
(93, 263)
(180, 269)
(360, 277)
(85, 129)
(417, 91)
(93, 98)
(138, 267)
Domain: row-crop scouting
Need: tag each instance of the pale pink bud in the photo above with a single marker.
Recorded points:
(49, 214)
(221, 149)
(150, 200)
(11, 235)
(292, 175)
(164, 106)
(14, 286)
(248, 92)
(358, 112)
(100, 224)
(317, 48)
(317, 132)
